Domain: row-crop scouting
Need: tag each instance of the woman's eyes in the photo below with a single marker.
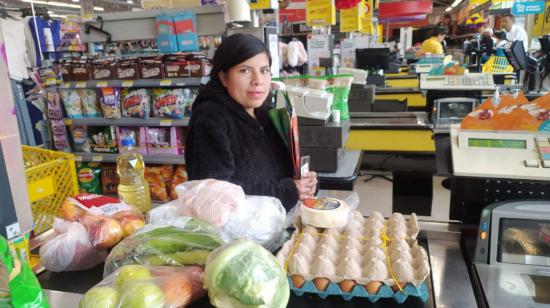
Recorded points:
(248, 71)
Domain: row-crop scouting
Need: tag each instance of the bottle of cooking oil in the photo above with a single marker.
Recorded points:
(133, 189)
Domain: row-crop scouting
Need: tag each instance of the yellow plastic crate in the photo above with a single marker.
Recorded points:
(497, 65)
(51, 177)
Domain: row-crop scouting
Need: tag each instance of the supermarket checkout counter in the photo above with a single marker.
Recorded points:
(448, 284)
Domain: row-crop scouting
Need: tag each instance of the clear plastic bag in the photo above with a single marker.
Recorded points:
(258, 218)
(244, 274)
(71, 249)
(179, 241)
(147, 286)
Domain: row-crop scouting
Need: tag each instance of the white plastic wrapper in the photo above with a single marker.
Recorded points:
(223, 204)
(71, 249)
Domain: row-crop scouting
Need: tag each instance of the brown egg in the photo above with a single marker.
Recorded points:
(346, 285)
(373, 287)
(297, 281)
(321, 283)
(396, 288)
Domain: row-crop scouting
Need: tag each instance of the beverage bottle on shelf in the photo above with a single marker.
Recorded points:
(133, 189)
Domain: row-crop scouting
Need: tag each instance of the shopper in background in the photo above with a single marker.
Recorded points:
(500, 38)
(513, 31)
(433, 44)
(230, 135)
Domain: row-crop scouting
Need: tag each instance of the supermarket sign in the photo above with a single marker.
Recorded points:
(525, 8)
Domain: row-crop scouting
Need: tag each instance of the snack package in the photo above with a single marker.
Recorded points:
(106, 219)
(168, 103)
(70, 249)
(176, 242)
(89, 177)
(81, 143)
(481, 118)
(244, 274)
(18, 285)
(103, 139)
(110, 103)
(136, 103)
(159, 179)
(54, 105)
(147, 286)
(109, 179)
(164, 140)
(180, 176)
(72, 102)
(138, 134)
(90, 105)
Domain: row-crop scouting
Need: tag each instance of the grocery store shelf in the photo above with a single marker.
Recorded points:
(128, 122)
(167, 82)
(111, 158)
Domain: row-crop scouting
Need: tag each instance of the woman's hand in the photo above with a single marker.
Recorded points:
(307, 186)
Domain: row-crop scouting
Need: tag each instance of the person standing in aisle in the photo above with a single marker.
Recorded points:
(500, 37)
(433, 44)
(513, 31)
(230, 135)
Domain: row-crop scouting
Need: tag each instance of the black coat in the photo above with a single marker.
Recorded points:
(224, 142)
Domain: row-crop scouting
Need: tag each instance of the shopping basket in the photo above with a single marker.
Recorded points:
(51, 177)
(497, 64)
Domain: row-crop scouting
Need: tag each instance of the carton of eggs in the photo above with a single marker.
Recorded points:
(357, 254)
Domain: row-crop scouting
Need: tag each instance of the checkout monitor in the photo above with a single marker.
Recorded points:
(373, 58)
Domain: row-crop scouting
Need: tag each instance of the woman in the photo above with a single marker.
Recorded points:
(230, 136)
(433, 44)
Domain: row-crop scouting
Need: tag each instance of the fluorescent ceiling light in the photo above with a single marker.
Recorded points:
(455, 3)
(130, 1)
(98, 8)
(58, 16)
(76, 0)
(53, 3)
(448, 9)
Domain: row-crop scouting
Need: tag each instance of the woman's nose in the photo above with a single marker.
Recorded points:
(256, 78)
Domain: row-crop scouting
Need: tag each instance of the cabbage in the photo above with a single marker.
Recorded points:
(244, 274)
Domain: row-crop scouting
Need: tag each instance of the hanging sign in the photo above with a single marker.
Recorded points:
(546, 19)
(366, 23)
(320, 12)
(538, 23)
(264, 4)
(351, 19)
(525, 8)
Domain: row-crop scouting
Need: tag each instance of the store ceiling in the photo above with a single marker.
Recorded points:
(73, 6)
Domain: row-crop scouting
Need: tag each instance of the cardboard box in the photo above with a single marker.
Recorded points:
(164, 140)
(333, 135)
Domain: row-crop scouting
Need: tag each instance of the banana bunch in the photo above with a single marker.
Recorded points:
(166, 245)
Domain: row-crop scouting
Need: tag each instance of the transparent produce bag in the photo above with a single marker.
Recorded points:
(136, 286)
(71, 249)
(258, 218)
(176, 242)
(244, 274)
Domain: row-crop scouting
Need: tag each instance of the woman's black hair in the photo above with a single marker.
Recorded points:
(439, 31)
(236, 49)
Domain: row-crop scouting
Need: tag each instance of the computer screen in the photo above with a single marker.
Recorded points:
(373, 58)
(515, 53)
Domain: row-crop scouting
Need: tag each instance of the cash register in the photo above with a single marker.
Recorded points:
(512, 256)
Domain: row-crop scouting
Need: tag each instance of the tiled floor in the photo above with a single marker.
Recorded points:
(376, 195)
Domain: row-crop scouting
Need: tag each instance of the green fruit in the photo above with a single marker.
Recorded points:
(142, 295)
(104, 297)
(129, 273)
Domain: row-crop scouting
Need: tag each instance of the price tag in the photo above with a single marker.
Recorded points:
(102, 84)
(68, 122)
(127, 83)
(65, 85)
(80, 84)
(97, 158)
(166, 122)
(78, 158)
(166, 82)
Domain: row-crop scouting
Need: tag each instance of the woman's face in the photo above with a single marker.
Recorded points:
(248, 82)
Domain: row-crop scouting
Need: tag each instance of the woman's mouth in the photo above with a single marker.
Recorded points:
(256, 94)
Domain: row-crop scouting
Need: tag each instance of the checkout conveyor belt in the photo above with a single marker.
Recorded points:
(449, 284)
(390, 120)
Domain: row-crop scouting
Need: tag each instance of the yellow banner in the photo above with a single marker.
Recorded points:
(366, 23)
(264, 5)
(351, 19)
(538, 24)
(478, 2)
(320, 12)
(546, 17)
(380, 34)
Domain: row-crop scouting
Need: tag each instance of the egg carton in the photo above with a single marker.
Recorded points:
(382, 291)
(356, 253)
